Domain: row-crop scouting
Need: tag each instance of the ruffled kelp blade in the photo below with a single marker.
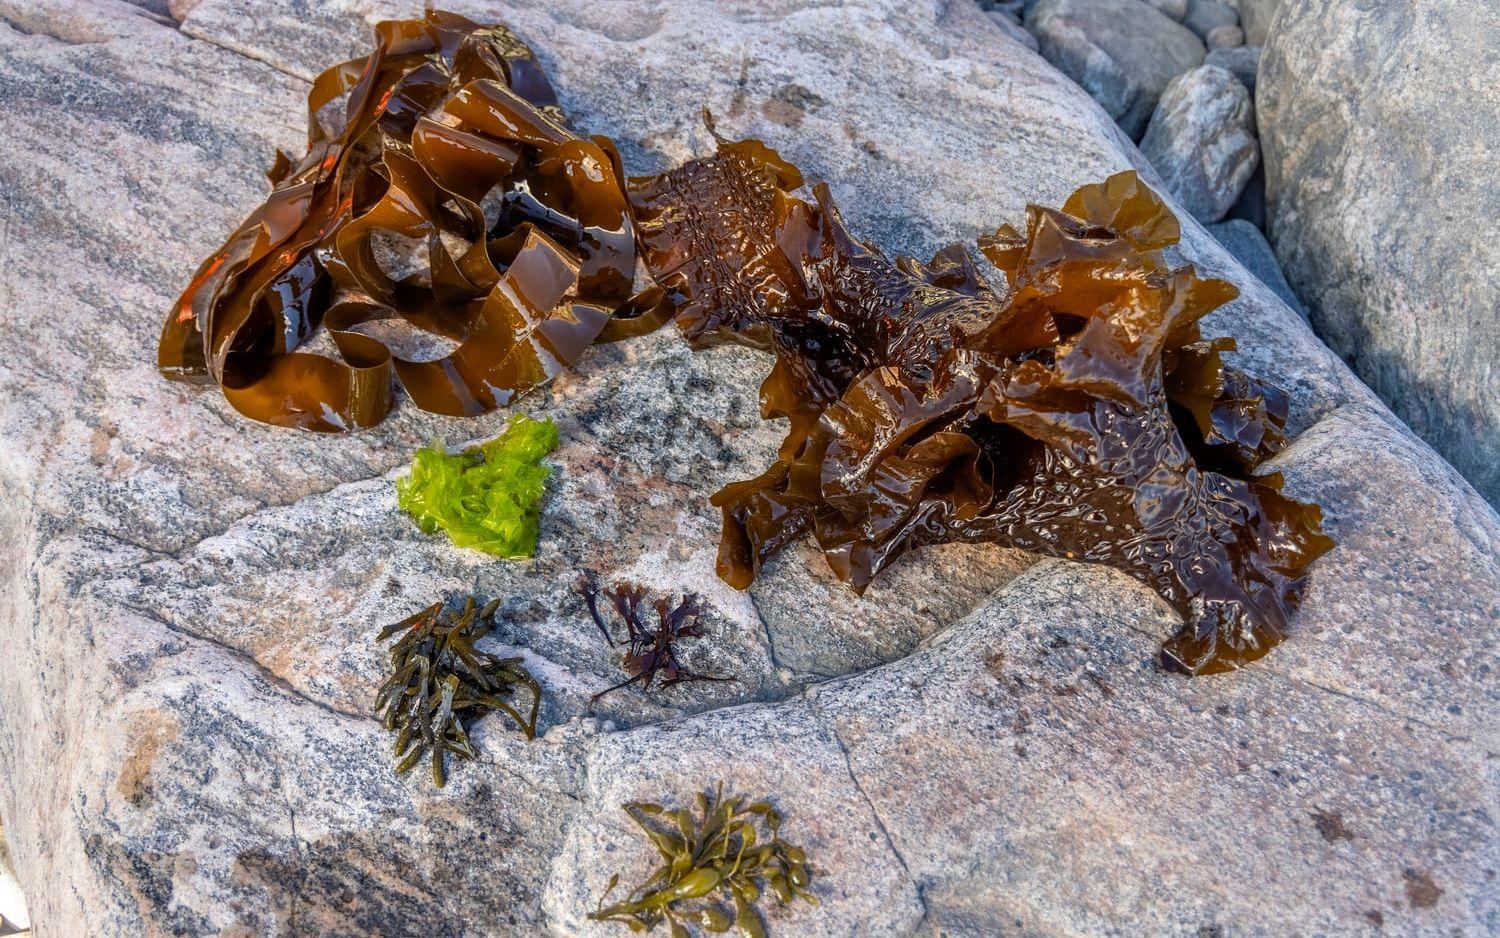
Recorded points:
(442, 116)
(486, 497)
(1078, 413)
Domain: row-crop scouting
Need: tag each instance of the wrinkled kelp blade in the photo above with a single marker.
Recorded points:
(1079, 414)
(406, 143)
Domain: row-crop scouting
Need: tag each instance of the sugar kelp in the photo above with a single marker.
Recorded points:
(411, 145)
(440, 684)
(1078, 413)
(731, 852)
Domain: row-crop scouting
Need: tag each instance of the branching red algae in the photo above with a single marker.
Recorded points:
(650, 651)
(415, 141)
(1078, 413)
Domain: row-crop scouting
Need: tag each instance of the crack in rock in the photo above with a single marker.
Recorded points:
(265, 673)
(890, 841)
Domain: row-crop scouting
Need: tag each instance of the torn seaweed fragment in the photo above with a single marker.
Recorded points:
(650, 650)
(486, 497)
(440, 684)
(731, 852)
(447, 139)
(1078, 412)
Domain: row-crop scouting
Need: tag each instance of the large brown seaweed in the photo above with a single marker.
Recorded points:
(413, 144)
(1079, 413)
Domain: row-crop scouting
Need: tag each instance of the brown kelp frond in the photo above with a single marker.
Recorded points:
(412, 145)
(440, 684)
(650, 650)
(1080, 414)
(729, 854)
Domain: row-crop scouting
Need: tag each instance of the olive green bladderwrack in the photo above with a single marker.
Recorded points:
(440, 684)
(728, 855)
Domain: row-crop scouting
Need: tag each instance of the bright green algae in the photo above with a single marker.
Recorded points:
(487, 496)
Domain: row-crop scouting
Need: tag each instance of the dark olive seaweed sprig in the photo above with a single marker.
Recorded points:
(723, 851)
(440, 684)
(649, 651)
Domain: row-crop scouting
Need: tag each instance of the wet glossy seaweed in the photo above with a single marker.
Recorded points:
(446, 139)
(485, 497)
(1078, 412)
(731, 851)
(650, 651)
(439, 684)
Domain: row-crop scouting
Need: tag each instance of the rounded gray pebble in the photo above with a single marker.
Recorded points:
(1225, 37)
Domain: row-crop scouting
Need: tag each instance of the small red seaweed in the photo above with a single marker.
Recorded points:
(650, 651)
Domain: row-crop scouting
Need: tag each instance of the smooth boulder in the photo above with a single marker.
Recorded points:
(982, 744)
(1240, 61)
(1256, 17)
(1249, 247)
(1012, 28)
(1224, 37)
(1123, 52)
(1204, 16)
(1202, 141)
(1176, 9)
(1380, 124)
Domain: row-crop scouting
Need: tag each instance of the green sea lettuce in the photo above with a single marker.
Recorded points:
(486, 497)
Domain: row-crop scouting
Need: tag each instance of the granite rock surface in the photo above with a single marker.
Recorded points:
(1256, 17)
(1205, 16)
(1250, 247)
(1012, 27)
(1176, 9)
(1123, 52)
(1224, 37)
(1202, 140)
(1240, 61)
(982, 744)
(1379, 130)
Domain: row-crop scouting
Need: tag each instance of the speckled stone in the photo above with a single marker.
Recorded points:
(1204, 16)
(1012, 28)
(981, 745)
(1240, 61)
(1202, 140)
(1383, 202)
(1224, 37)
(1176, 9)
(1250, 247)
(1256, 16)
(1123, 52)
